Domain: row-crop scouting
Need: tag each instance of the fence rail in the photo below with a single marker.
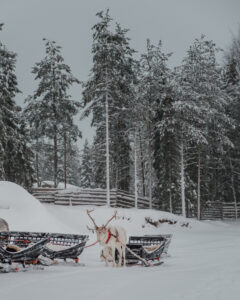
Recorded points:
(97, 197)
(119, 198)
(215, 211)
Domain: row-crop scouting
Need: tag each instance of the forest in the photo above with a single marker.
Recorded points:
(168, 134)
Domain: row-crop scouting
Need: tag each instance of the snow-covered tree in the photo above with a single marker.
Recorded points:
(200, 107)
(15, 154)
(166, 151)
(86, 167)
(24, 169)
(69, 162)
(231, 168)
(150, 91)
(50, 110)
(107, 94)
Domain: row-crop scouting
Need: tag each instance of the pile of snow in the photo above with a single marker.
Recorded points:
(24, 212)
(133, 220)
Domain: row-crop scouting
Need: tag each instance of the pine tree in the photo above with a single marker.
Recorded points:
(50, 111)
(69, 162)
(86, 168)
(151, 80)
(24, 171)
(230, 176)
(166, 151)
(2, 143)
(107, 94)
(15, 153)
(70, 134)
(201, 108)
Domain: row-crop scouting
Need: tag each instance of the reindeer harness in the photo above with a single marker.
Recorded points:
(110, 235)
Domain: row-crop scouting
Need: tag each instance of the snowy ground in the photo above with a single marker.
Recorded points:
(204, 260)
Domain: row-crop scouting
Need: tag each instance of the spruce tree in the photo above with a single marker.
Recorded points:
(15, 153)
(86, 168)
(50, 109)
(107, 95)
(201, 110)
(152, 77)
(230, 176)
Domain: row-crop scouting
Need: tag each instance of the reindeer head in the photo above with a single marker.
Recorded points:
(101, 231)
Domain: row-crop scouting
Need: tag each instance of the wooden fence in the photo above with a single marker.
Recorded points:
(220, 211)
(214, 211)
(118, 198)
(97, 197)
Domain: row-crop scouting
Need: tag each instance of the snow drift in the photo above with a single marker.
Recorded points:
(25, 213)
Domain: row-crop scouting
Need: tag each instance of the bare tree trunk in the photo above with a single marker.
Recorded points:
(142, 165)
(65, 159)
(198, 186)
(55, 150)
(182, 179)
(37, 162)
(150, 163)
(107, 150)
(170, 191)
(233, 189)
(55, 144)
(135, 170)
(170, 201)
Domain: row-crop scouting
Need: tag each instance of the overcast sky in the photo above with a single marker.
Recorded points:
(176, 22)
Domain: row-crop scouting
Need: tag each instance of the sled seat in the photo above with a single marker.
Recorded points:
(65, 246)
(27, 254)
(151, 240)
(149, 253)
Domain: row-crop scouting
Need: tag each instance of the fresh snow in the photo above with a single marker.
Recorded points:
(203, 262)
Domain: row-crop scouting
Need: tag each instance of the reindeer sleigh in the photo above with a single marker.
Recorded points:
(32, 248)
(140, 250)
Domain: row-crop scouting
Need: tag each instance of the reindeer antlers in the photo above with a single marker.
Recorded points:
(114, 216)
(91, 229)
(88, 212)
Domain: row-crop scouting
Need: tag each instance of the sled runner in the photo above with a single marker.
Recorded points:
(16, 267)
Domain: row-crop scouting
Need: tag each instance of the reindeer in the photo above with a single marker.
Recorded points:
(111, 238)
(106, 254)
(3, 225)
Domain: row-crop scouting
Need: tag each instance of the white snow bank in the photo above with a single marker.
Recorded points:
(133, 220)
(23, 212)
